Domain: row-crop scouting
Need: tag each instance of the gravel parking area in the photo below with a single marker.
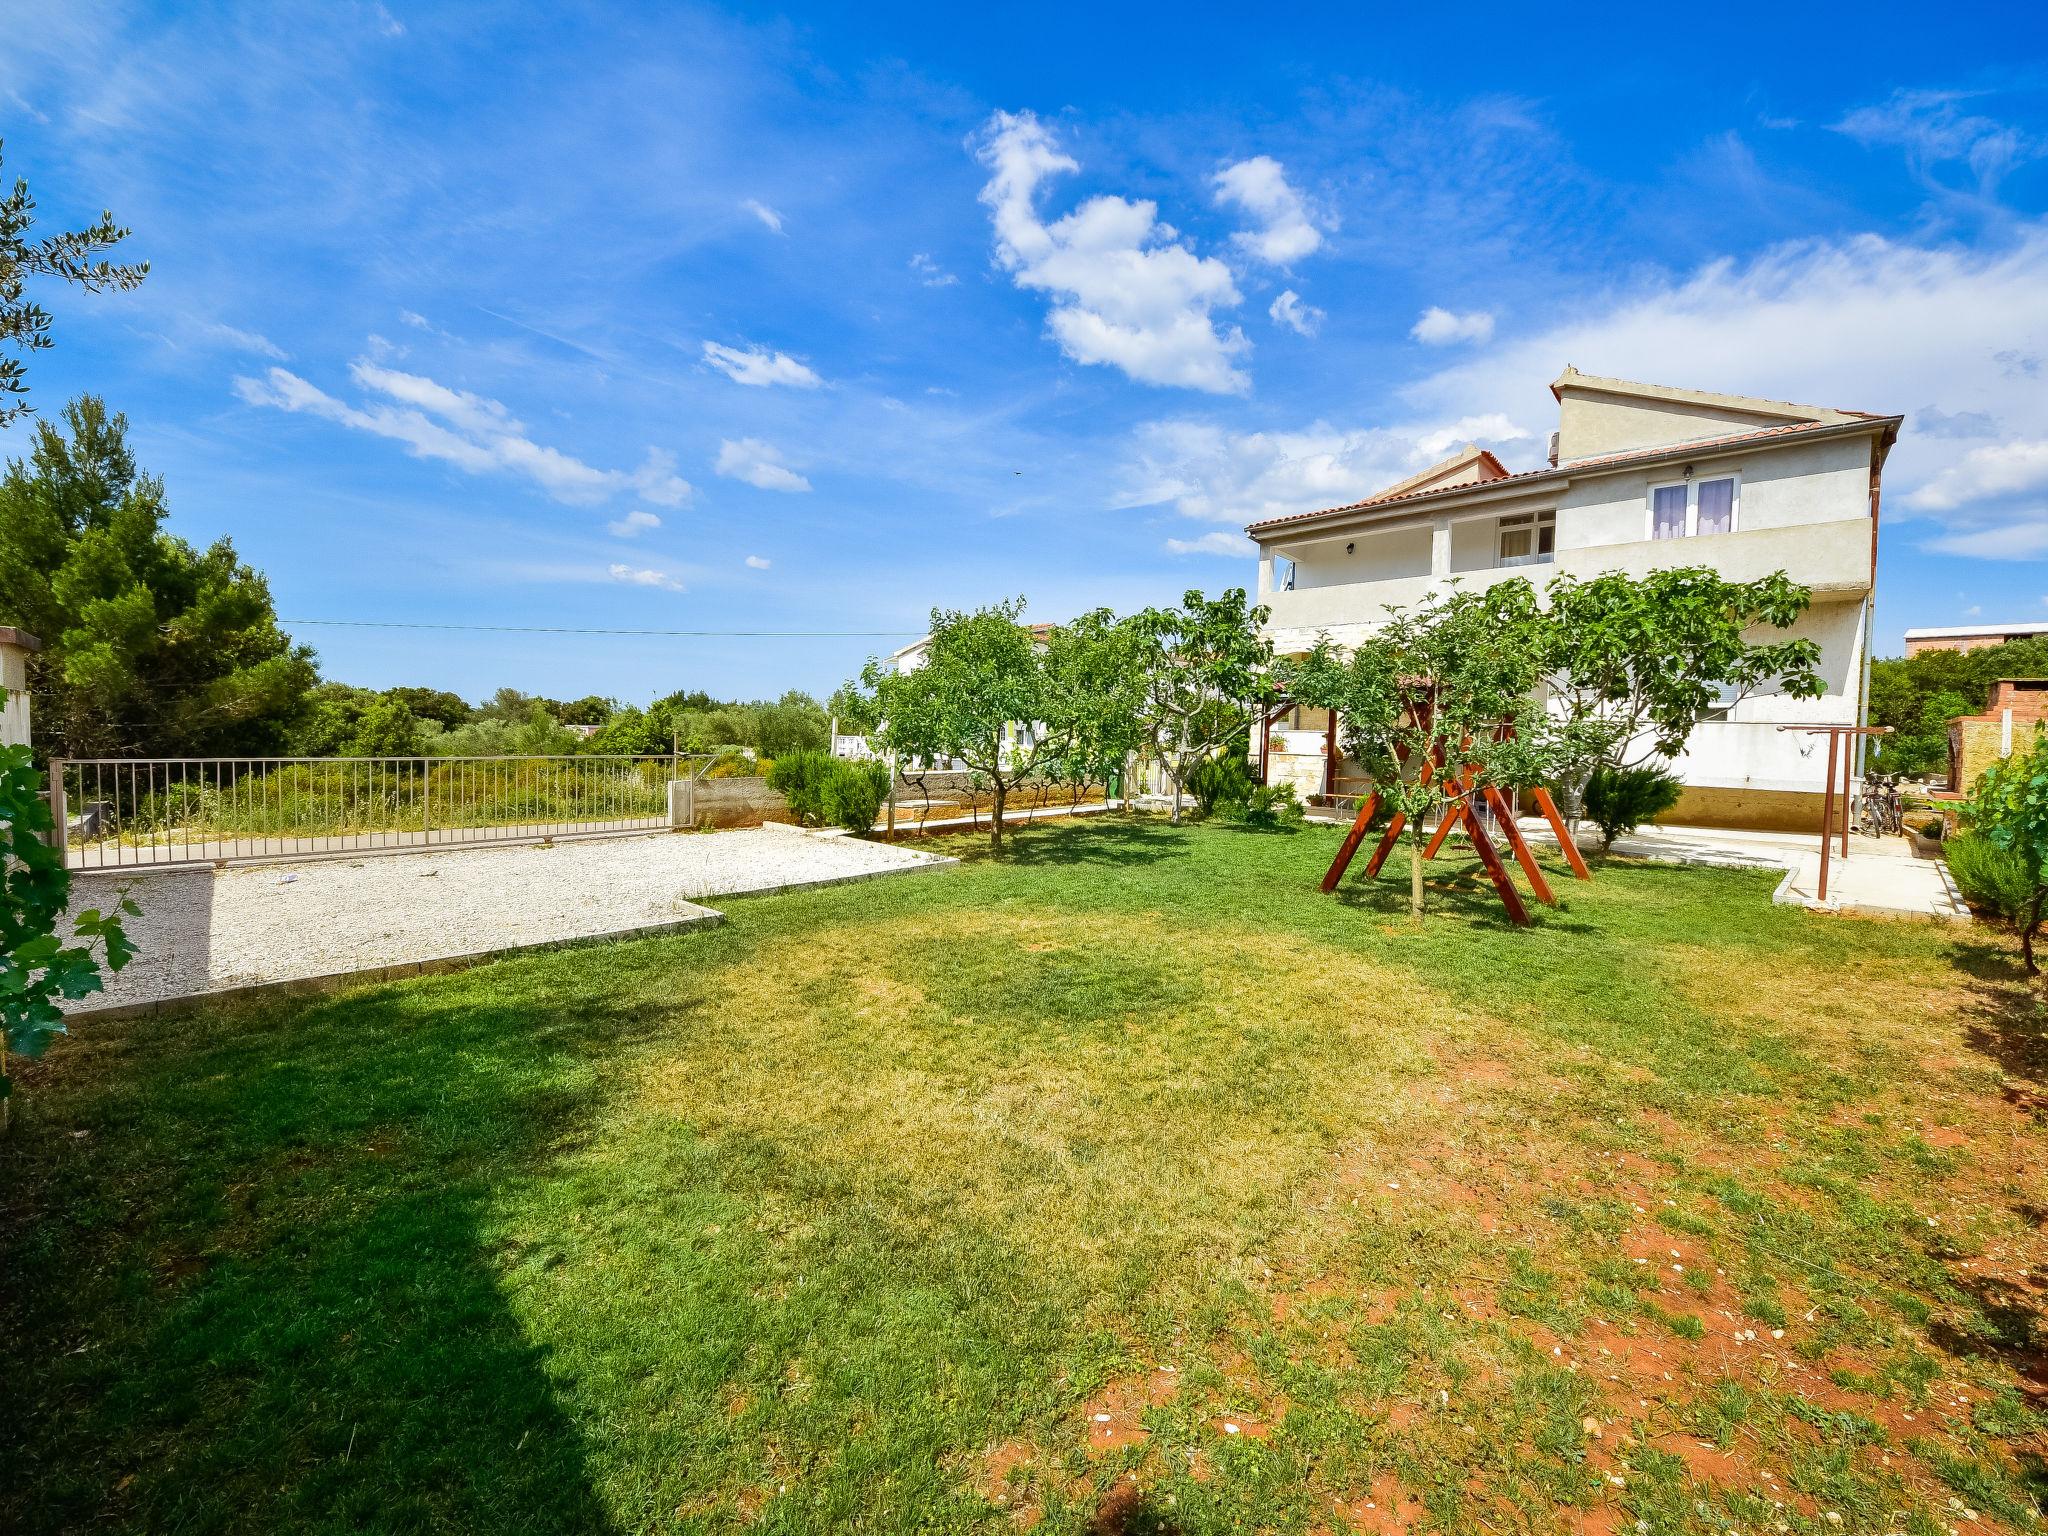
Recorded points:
(205, 931)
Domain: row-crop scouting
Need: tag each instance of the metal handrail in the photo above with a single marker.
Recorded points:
(145, 812)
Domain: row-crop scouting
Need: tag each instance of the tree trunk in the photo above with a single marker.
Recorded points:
(995, 833)
(2027, 937)
(1178, 765)
(1415, 875)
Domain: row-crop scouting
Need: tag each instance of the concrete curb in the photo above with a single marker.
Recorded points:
(338, 981)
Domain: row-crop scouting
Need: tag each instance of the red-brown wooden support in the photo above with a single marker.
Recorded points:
(1387, 840)
(1497, 871)
(1565, 841)
(1520, 845)
(1351, 841)
(1454, 812)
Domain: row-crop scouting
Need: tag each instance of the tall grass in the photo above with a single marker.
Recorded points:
(335, 798)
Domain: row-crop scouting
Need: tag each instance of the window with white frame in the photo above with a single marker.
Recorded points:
(1527, 538)
(1692, 507)
(1726, 697)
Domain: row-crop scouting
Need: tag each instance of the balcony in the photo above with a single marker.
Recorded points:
(1831, 558)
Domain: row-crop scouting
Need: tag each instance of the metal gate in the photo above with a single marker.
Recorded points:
(139, 813)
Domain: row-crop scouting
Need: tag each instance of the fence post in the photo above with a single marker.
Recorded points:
(682, 804)
(60, 816)
(426, 814)
(892, 797)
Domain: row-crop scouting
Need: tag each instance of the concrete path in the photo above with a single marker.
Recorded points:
(205, 932)
(1881, 877)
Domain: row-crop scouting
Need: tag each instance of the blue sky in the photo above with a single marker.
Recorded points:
(697, 319)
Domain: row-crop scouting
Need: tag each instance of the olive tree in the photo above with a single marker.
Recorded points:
(1202, 667)
(2009, 808)
(981, 694)
(1428, 694)
(70, 256)
(1632, 663)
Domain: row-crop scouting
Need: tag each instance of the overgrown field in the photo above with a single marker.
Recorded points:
(1126, 1183)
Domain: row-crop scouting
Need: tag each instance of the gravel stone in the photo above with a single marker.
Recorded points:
(206, 930)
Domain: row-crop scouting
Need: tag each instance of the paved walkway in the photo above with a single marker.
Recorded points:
(1881, 877)
(206, 932)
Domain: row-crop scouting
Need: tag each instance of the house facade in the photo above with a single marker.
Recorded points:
(1641, 477)
(1019, 736)
(2017, 711)
(1969, 637)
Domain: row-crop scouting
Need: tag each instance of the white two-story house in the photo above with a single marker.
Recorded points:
(1641, 477)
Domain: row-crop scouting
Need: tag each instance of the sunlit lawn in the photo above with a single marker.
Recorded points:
(1127, 1183)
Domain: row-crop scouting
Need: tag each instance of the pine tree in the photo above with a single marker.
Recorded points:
(152, 648)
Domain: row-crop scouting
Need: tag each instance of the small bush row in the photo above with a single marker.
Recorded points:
(822, 789)
(1224, 786)
(1995, 881)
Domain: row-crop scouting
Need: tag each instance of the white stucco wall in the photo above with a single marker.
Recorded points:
(14, 712)
(1748, 751)
(1803, 508)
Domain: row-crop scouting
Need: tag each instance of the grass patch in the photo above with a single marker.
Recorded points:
(936, 1203)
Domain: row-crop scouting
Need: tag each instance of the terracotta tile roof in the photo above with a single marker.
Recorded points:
(1606, 460)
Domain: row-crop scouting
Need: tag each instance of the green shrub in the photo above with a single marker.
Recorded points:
(1220, 783)
(1933, 827)
(1619, 800)
(1993, 880)
(1270, 806)
(854, 793)
(800, 778)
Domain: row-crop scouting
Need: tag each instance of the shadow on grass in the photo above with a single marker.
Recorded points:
(250, 1285)
(2006, 1017)
(1101, 841)
(1462, 890)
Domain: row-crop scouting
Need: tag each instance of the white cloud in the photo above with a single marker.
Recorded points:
(1934, 131)
(1290, 311)
(415, 319)
(759, 366)
(1213, 475)
(1440, 328)
(759, 464)
(1126, 293)
(387, 23)
(1217, 543)
(930, 273)
(645, 578)
(633, 524)
(2023, 540)
(476, 434)
(1286, 232)
(758, 563)
(239, 339)
(1863, 323)
(764, 213)
(1983, 474)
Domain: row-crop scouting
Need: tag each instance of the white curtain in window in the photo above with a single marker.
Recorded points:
(1717, 506)
(1667, 512)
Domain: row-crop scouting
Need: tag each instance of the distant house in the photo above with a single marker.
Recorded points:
(1020, 735)
(2018, 708)
(1641, 477)
(1969, 637)
(16, 646)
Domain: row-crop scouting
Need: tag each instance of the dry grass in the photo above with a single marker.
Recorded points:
(1126, 1184)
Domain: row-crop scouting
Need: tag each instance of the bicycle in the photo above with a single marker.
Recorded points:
(1879, 809)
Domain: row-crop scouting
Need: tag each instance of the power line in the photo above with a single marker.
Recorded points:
(563, 629)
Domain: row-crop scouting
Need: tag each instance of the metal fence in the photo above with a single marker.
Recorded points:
(143, 812)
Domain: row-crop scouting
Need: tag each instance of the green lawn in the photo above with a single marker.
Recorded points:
(1006, 1194)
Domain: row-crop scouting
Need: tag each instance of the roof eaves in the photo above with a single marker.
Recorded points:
(1601, 463)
